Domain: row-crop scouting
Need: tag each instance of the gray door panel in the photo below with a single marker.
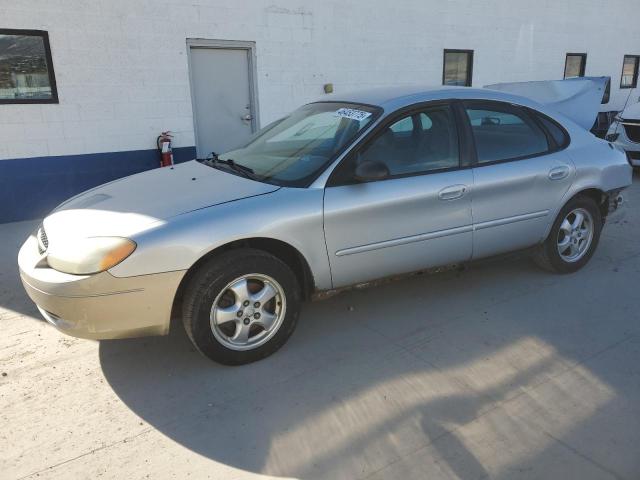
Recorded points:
(396, 226)
(221, 98)
(513, 202)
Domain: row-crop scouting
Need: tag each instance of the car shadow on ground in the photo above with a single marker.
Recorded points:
(407, 368)
(13, 299)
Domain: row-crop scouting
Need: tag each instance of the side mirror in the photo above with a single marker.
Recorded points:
(368, 171)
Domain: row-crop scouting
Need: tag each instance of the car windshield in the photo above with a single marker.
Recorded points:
(297, 148)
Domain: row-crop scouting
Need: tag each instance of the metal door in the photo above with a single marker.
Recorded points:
(513, 202)
(223, 97)
(399, 225)
(519, 180)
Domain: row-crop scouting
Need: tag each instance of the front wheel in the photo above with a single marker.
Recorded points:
(573, 238)
(241, 306)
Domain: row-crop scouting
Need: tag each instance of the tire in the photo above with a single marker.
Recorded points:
(221, 307)
(548, 255)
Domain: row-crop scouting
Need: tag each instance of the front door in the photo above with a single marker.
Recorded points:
(222, 96)
(417, 217)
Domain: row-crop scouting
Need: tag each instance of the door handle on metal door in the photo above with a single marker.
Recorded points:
(558, 173)
(247, 118)
(452, 192)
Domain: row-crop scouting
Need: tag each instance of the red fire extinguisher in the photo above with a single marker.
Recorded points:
(164, 147)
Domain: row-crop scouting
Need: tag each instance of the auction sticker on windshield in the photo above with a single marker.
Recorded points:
(352, 113)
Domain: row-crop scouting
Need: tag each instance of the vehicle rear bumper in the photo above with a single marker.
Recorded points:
(98, 306)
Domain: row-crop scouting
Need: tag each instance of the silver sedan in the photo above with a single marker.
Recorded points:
(371, 185)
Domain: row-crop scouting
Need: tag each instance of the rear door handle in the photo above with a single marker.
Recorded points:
(452, 192)
(558, 173)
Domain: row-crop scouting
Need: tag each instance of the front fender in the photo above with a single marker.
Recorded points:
(291, 215)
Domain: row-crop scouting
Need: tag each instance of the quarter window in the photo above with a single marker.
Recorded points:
(430, 144)
(558, 134)
(574, 65)
(505, 134)
(457, 69)
(630, 71)
(26, 70)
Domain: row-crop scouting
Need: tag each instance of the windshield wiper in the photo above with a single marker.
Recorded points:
(246, 171)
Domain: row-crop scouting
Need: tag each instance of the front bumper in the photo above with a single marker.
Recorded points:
(634, 157)
(617, 131)
(98, 306)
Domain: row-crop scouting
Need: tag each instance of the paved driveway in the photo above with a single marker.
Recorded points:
(500, 371)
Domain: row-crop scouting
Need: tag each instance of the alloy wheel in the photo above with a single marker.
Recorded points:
(575, 235)
(248, 312)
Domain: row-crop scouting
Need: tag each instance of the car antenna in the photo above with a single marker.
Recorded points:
(625, 103)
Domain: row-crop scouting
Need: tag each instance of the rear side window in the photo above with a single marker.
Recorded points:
(558, 134)
(504, 133)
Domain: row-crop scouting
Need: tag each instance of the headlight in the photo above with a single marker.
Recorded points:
(89, 255)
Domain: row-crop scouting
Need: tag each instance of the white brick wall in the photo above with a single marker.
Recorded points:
(121, 65)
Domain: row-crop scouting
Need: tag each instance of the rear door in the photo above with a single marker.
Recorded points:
(520, 176)
(418, 216)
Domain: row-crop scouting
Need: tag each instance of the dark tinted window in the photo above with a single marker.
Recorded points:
(416, 143)
(574, 65)
(607, 92)
(554, 130)
(504, 134)
(629, 77)
(457, 68)
(26, 70)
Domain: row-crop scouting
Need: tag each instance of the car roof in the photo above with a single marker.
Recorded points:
(393, 98)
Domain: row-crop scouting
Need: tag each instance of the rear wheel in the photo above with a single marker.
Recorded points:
(573, 238)
(241, 306)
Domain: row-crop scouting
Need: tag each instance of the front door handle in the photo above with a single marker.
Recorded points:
(247, 118)
(452, 192)
(558, 173)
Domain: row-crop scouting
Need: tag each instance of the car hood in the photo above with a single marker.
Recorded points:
(145, 200)
(632, 112)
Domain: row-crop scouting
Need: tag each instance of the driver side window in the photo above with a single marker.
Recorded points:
(417, 143)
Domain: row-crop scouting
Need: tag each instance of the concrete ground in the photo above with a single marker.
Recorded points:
(499, 371)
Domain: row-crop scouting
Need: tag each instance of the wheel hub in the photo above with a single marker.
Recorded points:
(248, 312)
(575, 235)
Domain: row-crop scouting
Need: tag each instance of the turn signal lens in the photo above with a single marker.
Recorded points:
(118, 254)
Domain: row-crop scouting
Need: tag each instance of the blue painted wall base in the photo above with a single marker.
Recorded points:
(32, 187)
